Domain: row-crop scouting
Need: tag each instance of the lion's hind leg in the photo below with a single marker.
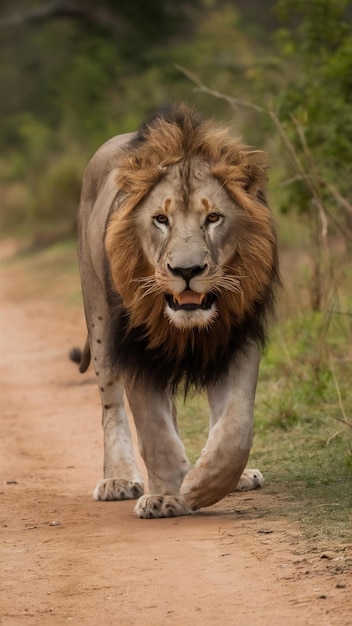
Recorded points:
(250, 479)
(117, 489)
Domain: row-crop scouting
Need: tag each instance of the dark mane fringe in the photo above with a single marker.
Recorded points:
(128, 353)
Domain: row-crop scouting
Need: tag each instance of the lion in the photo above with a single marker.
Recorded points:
(179, 269)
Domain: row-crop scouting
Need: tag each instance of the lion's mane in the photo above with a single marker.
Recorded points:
(142, 341)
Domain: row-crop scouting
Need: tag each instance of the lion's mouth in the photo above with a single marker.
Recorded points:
(189, 300)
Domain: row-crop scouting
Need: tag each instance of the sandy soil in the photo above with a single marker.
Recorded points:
(66, 558)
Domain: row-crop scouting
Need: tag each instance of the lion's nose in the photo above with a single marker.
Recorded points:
(188, 272)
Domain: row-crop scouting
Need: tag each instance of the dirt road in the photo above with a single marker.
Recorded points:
(67, 559)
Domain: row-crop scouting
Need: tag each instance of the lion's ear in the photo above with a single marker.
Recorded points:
(255, 164)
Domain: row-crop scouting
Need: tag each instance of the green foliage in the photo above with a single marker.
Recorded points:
(67, 86)
(69, 83)
(315, 96)
(42, 181)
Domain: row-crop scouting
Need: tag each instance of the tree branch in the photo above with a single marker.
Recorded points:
(236, 102)
(65, 8)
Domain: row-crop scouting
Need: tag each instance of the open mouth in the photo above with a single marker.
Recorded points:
(189, 300)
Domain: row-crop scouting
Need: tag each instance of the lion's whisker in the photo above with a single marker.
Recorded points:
(144, 279)
(152, 289)
(216, 191)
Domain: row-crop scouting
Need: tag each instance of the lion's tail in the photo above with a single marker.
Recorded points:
(82, 358)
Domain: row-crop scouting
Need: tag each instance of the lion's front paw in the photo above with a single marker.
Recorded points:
(150, 506)
(117, 489)
(250, 479)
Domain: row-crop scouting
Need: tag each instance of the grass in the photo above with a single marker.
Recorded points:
(51, 269)
(303, 403)
(303, 434)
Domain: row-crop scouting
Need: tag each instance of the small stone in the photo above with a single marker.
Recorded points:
(328, 555)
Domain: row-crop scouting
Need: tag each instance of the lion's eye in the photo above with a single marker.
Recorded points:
(213, 217)
(161, 219)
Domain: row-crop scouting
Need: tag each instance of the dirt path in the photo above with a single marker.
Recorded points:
(68, 559)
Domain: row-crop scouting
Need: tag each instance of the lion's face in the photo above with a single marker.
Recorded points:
(189, 236)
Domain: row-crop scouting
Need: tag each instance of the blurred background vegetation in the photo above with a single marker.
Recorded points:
(74, 73)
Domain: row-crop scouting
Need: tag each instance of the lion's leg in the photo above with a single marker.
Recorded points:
(250, 478)
(162, 450)
(219, 468)
(122, 478)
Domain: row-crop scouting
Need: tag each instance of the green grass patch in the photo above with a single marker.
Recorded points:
(193, 417)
